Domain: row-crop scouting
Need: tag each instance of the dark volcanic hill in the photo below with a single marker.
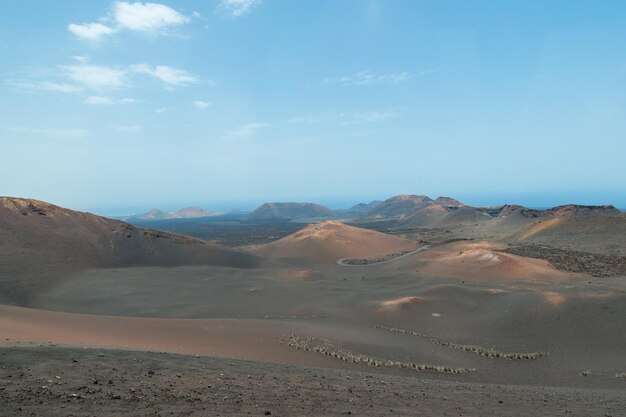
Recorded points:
(285, 211)
(40, 242)
(362, 208)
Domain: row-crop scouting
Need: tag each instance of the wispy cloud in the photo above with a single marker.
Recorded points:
(57, 87)
(126, 128)
(139, 17)
(246, 131)
(81, 78)
(363, 78)
(171, 76)
(108, 101)
(64, 132)
(238, 8)
(90, 31)
(349, 118)
(97, 77)
(201, 105)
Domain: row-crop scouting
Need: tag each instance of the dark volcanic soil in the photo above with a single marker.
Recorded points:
(58, 381)
(574, 261)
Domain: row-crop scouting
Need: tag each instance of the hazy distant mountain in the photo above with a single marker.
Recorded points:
(284, 211)
(362, 208)
(194, 212)
(154, 214)
(185, 213)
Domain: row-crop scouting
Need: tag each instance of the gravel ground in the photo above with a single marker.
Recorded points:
(61, 381)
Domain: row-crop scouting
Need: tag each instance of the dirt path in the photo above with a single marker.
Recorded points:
(420, 249)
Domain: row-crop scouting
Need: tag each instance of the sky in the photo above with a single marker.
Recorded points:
(118, 107)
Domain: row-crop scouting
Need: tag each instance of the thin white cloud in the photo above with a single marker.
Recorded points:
(201, 105)
(369, 78)
(57, 87)
(161, 110)
(80, 59)
(348, 118)
(96, 77)
(108, 101)
(90, 31)
(126, 128)
(101, 80)
(246, 130)
(139, 17)
(238, 8)
(65, 132)
(171, 76)
(146, 17)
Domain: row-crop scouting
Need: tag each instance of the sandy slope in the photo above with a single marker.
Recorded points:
(41, 243)
(482, 261)
(243, 339)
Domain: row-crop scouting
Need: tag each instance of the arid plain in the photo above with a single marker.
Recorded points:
(411, 306)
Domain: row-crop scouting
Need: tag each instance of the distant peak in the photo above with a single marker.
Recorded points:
(448, 201)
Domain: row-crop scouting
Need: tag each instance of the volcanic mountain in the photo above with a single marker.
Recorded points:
(600, 229)
(185, 213)
(362, 208)
(330, 240)
(400, 206)
(448, 202)
(285, 211)
(40, 242)
(437, 215)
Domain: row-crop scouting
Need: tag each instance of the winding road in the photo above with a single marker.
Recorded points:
(420, 249)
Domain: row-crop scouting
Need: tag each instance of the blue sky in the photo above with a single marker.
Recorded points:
(116, 107)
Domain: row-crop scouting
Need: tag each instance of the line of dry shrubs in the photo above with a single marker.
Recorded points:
(488, 352)
(326, 347)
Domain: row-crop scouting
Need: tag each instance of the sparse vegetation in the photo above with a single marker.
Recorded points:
(594, 264)
(483, 351)
(621, 375)
(327, 348)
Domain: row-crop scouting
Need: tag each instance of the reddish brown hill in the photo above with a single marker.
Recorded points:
(448, 201)
(329, 241)
(400, 206)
